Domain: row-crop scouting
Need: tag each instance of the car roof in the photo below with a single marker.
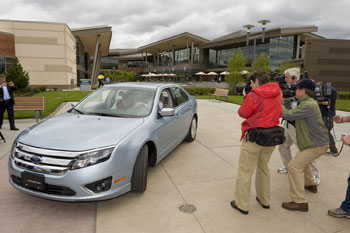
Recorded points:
(142, 85)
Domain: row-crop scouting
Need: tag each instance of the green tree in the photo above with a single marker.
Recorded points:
(17, 75)
(235, 66)
(262, 62)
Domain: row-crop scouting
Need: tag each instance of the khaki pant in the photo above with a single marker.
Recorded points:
(284, 149)
(253, 156)
(300, 173)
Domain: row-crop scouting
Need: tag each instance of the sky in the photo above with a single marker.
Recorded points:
(139, 22)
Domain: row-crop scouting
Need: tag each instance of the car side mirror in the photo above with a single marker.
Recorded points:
(166, 112)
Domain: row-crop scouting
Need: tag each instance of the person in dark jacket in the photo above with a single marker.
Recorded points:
(7, 101)
(312, 141)
(261, 108)
(328, 112)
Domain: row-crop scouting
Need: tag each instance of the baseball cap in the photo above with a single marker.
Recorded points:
(306, 83)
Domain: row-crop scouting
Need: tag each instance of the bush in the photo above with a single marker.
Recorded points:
(17, 75)
(343, 95)
(199, 90)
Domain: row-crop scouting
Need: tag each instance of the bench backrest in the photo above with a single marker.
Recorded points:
(221, 92)
(29, 103)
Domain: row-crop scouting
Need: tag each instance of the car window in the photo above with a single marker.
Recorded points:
(180, 96)
(165, 99)
(121, 102)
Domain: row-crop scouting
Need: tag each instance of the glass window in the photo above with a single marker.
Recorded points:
(118, 102)
(2, 59)
(10, 60)
(165, 99)
(2, 68)
(180, 96)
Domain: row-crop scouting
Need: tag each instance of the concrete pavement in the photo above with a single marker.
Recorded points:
(202, 174)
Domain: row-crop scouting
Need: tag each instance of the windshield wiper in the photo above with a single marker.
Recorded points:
(78, 111)
(103, 114)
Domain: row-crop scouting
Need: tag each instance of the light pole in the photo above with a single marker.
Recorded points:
(262, 35)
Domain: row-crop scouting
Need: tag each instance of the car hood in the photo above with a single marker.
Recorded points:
(78, 132)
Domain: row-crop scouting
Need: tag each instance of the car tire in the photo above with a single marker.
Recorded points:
(139, 175)
(192, 131)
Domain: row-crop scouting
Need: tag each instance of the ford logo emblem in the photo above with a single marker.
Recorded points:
(36, 159)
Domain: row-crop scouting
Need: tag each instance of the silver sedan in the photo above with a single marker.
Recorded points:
(103, 146)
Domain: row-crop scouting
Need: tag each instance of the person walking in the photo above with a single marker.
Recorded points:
(7, 101)
(261, 108)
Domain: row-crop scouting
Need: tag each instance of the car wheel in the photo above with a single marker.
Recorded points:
(139, 175)
(192, 131)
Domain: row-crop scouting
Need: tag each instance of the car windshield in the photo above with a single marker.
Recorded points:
(118, 102)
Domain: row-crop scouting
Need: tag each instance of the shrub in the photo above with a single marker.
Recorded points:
(199, 90)
(17, 75)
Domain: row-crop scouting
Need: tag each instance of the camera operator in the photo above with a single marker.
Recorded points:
(327, 108)
(262, 109)
(344, 210)
(292, 75)
(312, 141)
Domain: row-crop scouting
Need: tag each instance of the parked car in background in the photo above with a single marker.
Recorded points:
(103, 146)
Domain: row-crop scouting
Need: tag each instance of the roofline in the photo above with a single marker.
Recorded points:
(172, 38)
(89, 30)
(7, 33)
(279, 30)
(27, 21)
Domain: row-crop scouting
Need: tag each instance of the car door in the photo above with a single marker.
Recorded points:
(166, 131)
(183, 111)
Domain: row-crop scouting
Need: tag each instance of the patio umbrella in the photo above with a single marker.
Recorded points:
(225, 73)
(212, 73)
(172, 75)
(200, 73)
(244, 72)
(144, 75)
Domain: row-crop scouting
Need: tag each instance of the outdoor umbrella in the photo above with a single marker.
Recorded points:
(225, 73)
(200, 73)
(212, 73)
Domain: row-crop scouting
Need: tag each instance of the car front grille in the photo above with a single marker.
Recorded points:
(43, 160)
(48, 188)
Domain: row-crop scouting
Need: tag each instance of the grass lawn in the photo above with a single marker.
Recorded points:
(341, 105)
(53, 99)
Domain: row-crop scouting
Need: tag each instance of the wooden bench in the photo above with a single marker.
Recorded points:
(219, 92)
(30, 103)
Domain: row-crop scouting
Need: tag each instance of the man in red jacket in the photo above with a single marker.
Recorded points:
(261, 108)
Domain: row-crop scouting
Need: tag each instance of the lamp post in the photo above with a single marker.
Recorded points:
(262, 35)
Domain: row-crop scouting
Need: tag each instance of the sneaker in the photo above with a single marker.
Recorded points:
(333, 153)
(282, 170)
(338, 213)
(317, 179)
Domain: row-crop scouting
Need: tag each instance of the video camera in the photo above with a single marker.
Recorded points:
(241, 86)
(323, 91)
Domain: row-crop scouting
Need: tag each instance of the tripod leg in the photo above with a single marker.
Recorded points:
(2, 137)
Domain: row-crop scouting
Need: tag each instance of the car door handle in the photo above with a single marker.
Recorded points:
(177, 115)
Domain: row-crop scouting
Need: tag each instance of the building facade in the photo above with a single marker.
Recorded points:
(54, 55)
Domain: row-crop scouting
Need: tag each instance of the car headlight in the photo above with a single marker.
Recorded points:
(92, 158)
(13, 149)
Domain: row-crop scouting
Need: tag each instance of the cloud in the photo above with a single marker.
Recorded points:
(139, 22)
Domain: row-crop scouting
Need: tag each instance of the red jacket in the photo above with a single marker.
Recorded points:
(261, 107)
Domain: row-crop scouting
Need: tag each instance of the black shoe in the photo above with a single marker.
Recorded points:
(233, 204)
(311, 188)
(263, 206)
(14, 128)
(334, 153)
